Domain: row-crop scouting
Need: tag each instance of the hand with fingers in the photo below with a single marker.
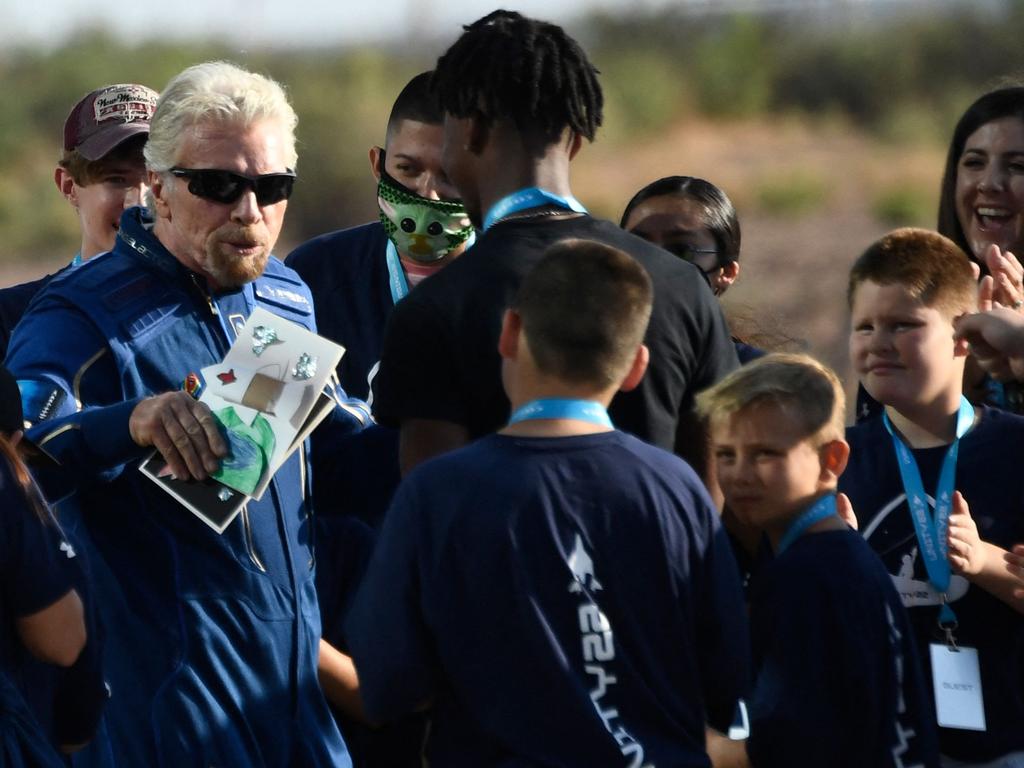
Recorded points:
(996, 337)
(1007, 278)
(1015, 565)
(183, 430)
(966, 549)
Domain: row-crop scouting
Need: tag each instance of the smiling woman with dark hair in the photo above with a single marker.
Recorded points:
(981, 205)
(981, 209)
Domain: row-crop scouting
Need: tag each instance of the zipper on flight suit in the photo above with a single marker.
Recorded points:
(214, 312)
(250, 542)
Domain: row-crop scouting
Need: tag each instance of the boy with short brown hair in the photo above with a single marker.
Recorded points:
(913, 470)
(101, 172)
(560, 593)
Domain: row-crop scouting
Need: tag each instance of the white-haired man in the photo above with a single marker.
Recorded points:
(212, 640)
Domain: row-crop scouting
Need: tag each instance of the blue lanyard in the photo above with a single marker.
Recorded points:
(562, 408)
(396, 275)
(818, 511)
(931, 529)
(77, 260)
(530, 197)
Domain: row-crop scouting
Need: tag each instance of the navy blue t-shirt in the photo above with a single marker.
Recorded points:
(838, 680)
(14, 300)
(34, 574)
(560, 601)
(989, 476)
(347, 273)
(34, 566)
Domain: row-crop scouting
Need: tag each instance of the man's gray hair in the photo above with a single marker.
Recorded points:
(216, 92)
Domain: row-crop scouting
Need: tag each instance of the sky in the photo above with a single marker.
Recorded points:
(278, 22)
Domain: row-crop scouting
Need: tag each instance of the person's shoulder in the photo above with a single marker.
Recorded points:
(865, 432)
(658, 459)
(995, 424)
(826, 563)
(14, 299)
(462, 460)
(107, 279)
(481, 464)
(281, 286)
(330, 247)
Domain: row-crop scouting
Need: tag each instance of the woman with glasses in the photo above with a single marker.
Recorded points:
(696, 221)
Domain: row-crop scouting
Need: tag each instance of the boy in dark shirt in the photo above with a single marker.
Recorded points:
(559, 593)
(913, 471)
(837, 679)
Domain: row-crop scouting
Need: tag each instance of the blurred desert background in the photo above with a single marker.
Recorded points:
(826, 122)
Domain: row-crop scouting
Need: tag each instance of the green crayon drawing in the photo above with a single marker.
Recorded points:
(249, 451)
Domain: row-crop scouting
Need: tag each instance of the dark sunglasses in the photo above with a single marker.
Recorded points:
(227, 186)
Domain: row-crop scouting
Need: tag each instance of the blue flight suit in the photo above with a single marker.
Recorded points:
(212, 640)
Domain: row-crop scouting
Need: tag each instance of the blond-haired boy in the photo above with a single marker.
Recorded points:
(837, 679)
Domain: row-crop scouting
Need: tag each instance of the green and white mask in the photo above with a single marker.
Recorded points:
(422, 229)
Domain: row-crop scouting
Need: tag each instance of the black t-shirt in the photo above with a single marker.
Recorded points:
(440, 358)
(838, 680)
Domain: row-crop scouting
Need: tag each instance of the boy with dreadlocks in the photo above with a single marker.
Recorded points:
(519, 97)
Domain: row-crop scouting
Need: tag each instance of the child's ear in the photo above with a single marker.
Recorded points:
(834, 454)
(508, 341)
(66, 185)
(637, 370)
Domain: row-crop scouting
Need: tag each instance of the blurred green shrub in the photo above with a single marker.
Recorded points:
(792, 194)
(906, 76)
(905, 206)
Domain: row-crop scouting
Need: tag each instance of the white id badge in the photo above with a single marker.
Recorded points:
(956, 679)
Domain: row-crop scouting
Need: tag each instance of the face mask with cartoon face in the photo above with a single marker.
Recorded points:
(422, 229)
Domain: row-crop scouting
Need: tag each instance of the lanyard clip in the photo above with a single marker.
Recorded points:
(948, 624)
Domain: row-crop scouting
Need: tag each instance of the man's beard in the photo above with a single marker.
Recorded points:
(230, 270)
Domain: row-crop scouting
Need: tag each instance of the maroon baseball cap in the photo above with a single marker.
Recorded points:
(108, 116)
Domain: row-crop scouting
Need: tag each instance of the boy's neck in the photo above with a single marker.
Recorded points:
(928, 426)
(556, 427)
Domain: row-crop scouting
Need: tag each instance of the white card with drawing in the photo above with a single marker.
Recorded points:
(269, 392)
